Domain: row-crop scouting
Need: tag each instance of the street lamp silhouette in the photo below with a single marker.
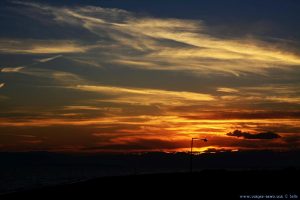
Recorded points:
(191, 156)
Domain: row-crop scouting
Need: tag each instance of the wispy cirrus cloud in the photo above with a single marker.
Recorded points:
(133, 81)
(146, 96)
(165, 44)
(81, 108)
(11, 69)
(227, 90)
(43, 60)
(240, 115)
(18, 46)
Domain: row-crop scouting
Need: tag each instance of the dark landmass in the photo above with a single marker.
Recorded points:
(40, 175)
(207, 184)
(158, 160)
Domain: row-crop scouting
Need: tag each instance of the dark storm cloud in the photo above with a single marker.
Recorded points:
(263, 135)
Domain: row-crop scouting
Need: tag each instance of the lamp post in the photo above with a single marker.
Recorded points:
(191, 156)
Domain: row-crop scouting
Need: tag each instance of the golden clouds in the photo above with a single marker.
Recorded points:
(164, 43)
(227, 90)
(147, 96)
(81, 108)
(11, 69)
(117, 131)
(203, 52)
(49, 59)
(281, 93)
(88, 85)
(40, 47)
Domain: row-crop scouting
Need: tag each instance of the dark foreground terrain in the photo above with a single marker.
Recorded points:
(207, 184)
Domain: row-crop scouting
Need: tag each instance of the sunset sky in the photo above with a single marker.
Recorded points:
(132, 75)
